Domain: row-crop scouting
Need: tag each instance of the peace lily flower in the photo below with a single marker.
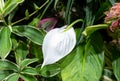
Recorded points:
(58, 43)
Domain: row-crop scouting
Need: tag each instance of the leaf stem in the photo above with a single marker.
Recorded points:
(46, 9)
(31, 13)
(68, 13)
(76, 21)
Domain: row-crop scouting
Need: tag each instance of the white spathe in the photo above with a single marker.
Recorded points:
(57, 44)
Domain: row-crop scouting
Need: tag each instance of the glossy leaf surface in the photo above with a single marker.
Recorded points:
(30, 32)
(26, 62)
(49, 70)
(28, 78)
(7, 65)
(4, 74)
(5, 42)
(10, 5)
(13, 77)
(85, 63)
(21, 52)
(29, 71)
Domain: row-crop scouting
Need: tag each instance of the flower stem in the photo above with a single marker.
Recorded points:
(46, 9)
(76, 21)
(31, 13)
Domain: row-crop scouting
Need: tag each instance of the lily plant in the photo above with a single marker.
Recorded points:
(58, 43)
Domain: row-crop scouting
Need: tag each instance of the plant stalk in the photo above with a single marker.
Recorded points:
(31, 13)
(73, 23)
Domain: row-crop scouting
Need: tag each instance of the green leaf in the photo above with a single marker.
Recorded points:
(107, 75)
(49, 70)
(14, 43)
(115, 52)
(12, 77)
(90, 11)
(28, 78)
(104, 6)
(29, 71)
(21, 52)
(11, 16)
(26, 62)
(116, 65)
(77, 31)
(55, 4)
(10, 5)
(112, 1)
(1, 4)
(68, 11)
(27, 14)
(30, 32)
(91, 29)
(85, 63)
(4, 74)
(35, 6)
(46, 8)
(8, 65)
(5, 42)
(36, 52)
(34, 22)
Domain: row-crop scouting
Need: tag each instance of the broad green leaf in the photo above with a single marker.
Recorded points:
(4, 74)
(91, 29)
(8, 65)
(10, 5)
(21, 52)
(30, 32)
(85, 63)
(5, 42)
(28, 78)
(12, 77)
(26, 62)
(29, 71)
(49, 70)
